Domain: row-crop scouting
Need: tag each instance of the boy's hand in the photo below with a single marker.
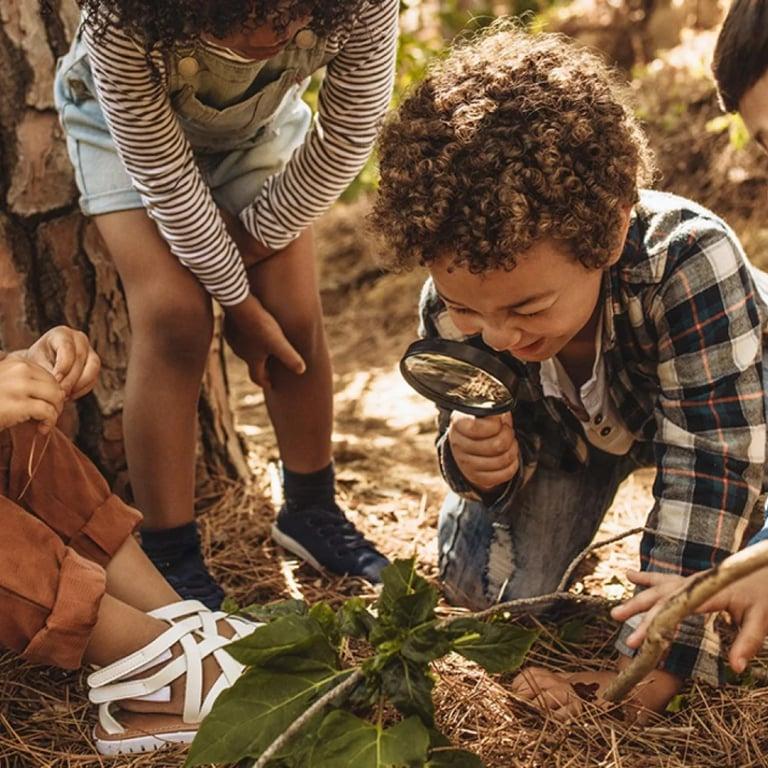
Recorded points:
(68, 356)
(28, 393)
(485, 449)
(255, 336)
(563, 695)
(745, 600)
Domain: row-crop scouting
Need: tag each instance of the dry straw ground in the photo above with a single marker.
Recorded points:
(387, 475)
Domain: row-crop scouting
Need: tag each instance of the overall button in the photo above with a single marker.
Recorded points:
(188, 66)
(78, 89)
(599, 418)
(605, 431)
(305, 39)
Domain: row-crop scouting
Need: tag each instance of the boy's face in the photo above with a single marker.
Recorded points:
(532, 311)
(754, 109)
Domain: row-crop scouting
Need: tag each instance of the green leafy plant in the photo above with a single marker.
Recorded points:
(296, 706)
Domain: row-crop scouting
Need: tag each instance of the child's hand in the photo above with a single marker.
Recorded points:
(563, 695)
(745, 600)
(255, 336)
(484, 449)
(28, 393)
(68, 356)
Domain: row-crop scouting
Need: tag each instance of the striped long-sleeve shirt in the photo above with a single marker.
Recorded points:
(160, 161)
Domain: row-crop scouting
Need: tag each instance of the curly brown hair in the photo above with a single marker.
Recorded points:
(512, 138)
(172, 22)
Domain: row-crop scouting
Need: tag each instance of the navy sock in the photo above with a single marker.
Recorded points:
(305, 489)
(176, 553)
(171, 544)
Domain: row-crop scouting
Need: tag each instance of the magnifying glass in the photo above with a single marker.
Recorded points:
(460, 377)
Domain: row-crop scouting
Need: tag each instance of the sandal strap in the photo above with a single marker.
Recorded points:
(199, 638)
(130, 664)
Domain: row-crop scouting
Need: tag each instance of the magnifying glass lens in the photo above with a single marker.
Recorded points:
(460, 377)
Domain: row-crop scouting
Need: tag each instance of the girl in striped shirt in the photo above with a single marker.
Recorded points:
(204, 171)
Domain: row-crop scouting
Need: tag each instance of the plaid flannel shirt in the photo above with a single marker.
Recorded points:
(683, 349)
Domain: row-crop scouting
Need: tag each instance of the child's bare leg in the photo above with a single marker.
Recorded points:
(133, 579)
(171, 328)
(301, 409)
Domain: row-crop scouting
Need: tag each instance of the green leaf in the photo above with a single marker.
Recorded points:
(406, 599)
(291, 643)
(426, 644)
(676, 703)
(354, 618)
(453, 758)
(325, 616)
(275, 610)
(494, 646)
(408, 686)
(346, 741)
(230, 605)
(443, 754)
(251, 714)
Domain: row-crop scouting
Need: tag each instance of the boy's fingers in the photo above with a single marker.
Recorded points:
(749, 641)
(494, 463)
(640, 603)
(495, 445)
(477, 428)
(488, 480)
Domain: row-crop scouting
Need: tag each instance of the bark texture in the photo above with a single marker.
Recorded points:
(54, 268)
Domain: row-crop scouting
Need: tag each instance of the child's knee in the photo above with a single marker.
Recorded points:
(179, 328)
(302, 325)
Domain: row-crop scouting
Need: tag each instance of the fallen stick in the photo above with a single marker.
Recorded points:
(679, 606)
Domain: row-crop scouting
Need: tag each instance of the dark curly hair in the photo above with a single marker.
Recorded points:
(512, 138)
(172, 22)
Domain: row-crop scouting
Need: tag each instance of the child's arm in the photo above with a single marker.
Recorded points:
(710, 421)
(353, 98)
(745, 600)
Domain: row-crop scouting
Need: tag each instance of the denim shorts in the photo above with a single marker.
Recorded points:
(235, 175)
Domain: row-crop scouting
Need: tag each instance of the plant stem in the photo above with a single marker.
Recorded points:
(342, 690)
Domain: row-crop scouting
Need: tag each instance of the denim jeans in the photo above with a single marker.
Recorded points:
(524, 550)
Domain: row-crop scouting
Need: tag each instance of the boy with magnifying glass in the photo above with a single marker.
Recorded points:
(632, 319)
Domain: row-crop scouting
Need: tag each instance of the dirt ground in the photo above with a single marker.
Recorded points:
(387, 476)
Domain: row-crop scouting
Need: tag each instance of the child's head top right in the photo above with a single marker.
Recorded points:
(511, 140)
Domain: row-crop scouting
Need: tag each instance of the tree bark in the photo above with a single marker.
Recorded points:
(54, 269)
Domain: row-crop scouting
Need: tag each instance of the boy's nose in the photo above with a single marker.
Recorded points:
(501, 338)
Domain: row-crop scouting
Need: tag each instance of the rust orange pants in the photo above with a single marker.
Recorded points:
(54, 544)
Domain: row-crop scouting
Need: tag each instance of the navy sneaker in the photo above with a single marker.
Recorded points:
(324, 537)
(175, 552)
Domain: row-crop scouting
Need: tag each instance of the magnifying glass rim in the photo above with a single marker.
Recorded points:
(466, 353)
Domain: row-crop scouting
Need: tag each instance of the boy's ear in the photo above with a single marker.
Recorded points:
(626, 216)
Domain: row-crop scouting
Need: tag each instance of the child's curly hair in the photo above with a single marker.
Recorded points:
(512, 138)
(170, 22)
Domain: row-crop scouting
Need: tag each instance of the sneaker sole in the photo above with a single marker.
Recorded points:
(289, 543)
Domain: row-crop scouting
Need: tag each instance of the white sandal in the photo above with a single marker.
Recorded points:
(193, 627)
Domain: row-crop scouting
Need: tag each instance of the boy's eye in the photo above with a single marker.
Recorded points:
(461, 310)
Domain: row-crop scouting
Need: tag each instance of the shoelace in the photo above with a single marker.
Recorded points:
(341, 533)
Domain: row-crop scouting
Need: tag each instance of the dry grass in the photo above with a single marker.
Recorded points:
(387, 476)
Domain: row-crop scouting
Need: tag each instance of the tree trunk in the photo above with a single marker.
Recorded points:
(54, 268)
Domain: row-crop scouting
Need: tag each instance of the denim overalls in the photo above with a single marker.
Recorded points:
(243, 120)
